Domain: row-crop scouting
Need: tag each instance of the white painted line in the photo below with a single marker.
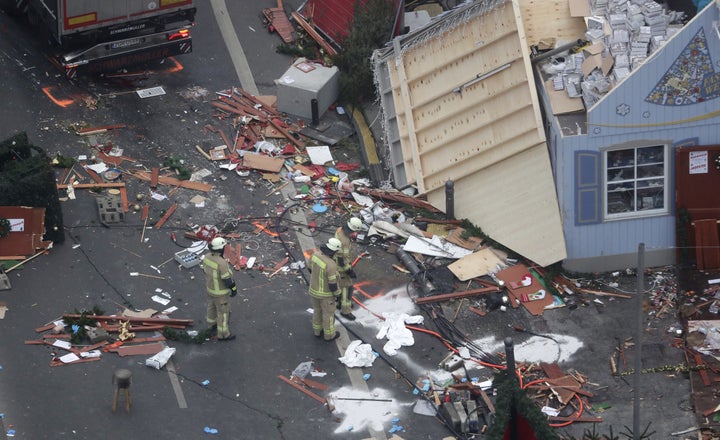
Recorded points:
(242, 68)
(182, 404)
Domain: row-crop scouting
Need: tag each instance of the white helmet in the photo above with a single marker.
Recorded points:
(218, 244)
(355, 224)
(334, 244)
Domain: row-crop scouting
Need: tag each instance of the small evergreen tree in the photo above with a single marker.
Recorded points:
(371, 29)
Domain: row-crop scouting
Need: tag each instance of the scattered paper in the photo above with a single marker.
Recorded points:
(98, 167)
(198, 201)
(152, 91)
(552, 412)
(161, 300)
(62, 344)
(70, 357)
(435, 247)
(91, 354)
(169, 310)
(319, 155)
(157, 196)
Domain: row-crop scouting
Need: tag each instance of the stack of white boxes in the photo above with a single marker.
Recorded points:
(631, 30)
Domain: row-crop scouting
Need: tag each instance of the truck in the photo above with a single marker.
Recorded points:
(100, 36)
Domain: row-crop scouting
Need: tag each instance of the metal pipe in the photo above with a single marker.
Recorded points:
(449, 200)
(638, 340)
(409, 262)
(557, 50)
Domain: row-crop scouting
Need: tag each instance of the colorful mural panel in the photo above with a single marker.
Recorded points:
(691, 78)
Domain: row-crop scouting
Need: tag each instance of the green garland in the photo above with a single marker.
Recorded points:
(510, 396)
(4, 227)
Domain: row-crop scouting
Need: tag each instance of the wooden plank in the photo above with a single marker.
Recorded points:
(142, 349)
(314, 34)
(602, 293)
(302, 389)
(93, 175)
(455, 295)
(124, 199)
(171, 181)
(263, 162)
(91, 185)
(552, 371)
(154, 177)
(278, 126)
(105, 318)
(477, 264)
(514, 274)
(166, 216)
(56, 362)
(100, 129)
(145, 212)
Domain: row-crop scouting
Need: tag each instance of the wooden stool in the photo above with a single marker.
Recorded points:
(121, 380)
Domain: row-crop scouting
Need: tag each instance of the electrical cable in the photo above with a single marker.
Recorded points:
(277, 419)
(442, 419)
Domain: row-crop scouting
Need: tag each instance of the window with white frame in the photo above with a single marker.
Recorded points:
(635, 181)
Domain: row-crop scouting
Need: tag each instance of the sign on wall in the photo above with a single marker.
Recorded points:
(698, 162)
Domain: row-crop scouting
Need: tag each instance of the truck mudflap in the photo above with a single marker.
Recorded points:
(118, 54)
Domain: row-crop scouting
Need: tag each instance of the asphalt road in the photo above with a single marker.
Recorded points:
(243, 397)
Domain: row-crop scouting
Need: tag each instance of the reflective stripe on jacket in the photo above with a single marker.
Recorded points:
(323, 272)
(345, 251)
(216, 270)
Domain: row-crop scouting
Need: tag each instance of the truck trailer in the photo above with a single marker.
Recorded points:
(101, 36)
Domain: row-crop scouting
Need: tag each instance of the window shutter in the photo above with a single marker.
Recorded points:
(588, 195)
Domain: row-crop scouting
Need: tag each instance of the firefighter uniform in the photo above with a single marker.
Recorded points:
(343, 258)
(217, 271)
(323, 291)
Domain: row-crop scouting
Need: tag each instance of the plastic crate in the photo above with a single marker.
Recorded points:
(187, 259)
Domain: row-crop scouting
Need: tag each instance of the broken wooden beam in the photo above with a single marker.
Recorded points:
(329, 50)
(154, 177)
(602, 293)
(91, 185)
(166, 216)
(455, 295)
(171, 181)
(131, 319)
(302, 389)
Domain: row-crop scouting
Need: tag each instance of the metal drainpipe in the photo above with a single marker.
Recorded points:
(449, 200)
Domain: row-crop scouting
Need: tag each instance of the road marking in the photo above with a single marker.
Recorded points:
(242, 68)
(307, 243)
(356, 379)
(182, 403)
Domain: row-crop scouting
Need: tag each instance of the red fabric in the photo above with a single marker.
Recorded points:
(344, 166)
(524, 430)
(318, 170)
(289, 149)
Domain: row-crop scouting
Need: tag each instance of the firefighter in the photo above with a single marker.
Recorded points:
(220, 287)
(344, 259)
(324, 289)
